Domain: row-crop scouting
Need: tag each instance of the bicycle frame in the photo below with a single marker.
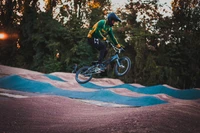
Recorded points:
(108, 61)
(114, 57)
(121, 67)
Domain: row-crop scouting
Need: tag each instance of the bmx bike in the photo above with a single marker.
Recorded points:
(121, 66)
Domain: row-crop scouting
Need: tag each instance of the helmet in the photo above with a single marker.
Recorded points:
(112, 16)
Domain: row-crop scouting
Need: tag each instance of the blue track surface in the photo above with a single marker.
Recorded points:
(102, 93)
(188, 94)
(54, 77)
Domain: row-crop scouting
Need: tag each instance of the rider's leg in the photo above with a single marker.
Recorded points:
(103, 52)
(96, 43)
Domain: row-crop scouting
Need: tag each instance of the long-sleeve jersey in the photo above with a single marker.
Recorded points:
(100, 30)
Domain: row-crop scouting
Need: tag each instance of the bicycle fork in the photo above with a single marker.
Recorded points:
(116, 57)
(120, 65)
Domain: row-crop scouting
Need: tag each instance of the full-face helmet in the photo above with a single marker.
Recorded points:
(112, 16)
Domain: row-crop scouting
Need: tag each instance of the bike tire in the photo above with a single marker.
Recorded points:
(126, 62)
(80, 78)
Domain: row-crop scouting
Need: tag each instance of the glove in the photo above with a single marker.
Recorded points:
(89, 36)
(118, 46)
(104, 38)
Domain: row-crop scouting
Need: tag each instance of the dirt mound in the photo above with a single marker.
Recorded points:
(27, 107)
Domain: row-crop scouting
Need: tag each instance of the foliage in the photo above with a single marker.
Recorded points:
(178, 37)
(163, 50)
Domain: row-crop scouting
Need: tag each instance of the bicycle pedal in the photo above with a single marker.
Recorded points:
(99, 70)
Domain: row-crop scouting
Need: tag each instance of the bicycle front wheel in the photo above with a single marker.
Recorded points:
(124, 67)
(83, 75)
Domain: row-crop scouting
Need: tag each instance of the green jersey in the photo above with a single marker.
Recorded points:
(100, 30)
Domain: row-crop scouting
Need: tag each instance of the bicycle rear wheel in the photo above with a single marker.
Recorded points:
(83, 75)
(125, 63)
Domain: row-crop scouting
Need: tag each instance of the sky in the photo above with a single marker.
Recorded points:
(120, 3)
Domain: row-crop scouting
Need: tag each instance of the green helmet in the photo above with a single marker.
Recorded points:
(112, 16)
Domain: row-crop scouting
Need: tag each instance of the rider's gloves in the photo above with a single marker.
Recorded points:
(104, 38)
(89, 36)
(118, 46)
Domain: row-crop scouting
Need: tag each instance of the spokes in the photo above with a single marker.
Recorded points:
(123, 66)
(83, 75)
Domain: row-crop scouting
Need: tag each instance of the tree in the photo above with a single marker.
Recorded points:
(9, 24)
(140, 18)
(178, 37)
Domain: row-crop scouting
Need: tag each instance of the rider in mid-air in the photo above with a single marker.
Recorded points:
(99, 32)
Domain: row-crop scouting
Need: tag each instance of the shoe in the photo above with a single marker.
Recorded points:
(100, 68)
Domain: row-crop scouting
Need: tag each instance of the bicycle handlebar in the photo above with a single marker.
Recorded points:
(119, 50)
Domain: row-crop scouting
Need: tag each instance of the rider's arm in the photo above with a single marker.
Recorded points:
(112, 37)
